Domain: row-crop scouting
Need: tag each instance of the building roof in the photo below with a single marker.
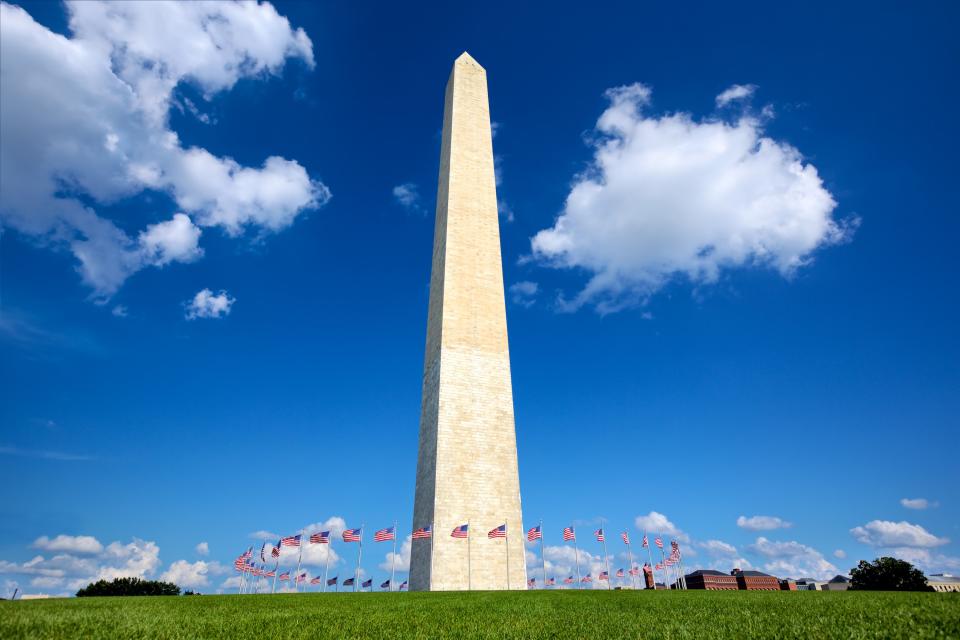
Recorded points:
(942, 577)
(754, 574)
(838, 579)
(707, 572)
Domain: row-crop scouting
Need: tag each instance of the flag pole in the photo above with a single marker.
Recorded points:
(649, 561)
(506, 538)
(359, 556)
(543, 561)
(326, 566)
(393, 565)
(663, 560)
(633, 582)
(433, 532)
(469, 576)
(576, 555)
(606, 560)
(275, 570)
(296, 583)
(243, 574)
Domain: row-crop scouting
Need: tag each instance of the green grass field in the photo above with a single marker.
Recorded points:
(535, 614)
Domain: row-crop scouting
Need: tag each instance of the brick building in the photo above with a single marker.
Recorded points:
(755, 581)
(711, 580)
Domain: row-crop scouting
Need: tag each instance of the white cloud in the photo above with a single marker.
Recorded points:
(655, 523)
(85, 124)
(408, 196)
(918, 503)
(524, 293)
(71, 544)
(718, 548)
(264, 535)
(192, 575)
(735, 92)
(668, 197)
(402, 558)
(884, 533)
(206, 304)
(792, 559)
(840, 553)
(202, 549)
(762, 523)
(120, 311)
(172, 241)
(925, 559)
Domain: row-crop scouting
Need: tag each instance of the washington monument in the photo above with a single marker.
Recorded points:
(467, 460)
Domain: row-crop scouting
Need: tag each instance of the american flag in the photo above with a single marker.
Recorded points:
(599, 534)
(351, 535)
(301, 577)
(645, 542)
(320, 537)
(568, 534)
(270, 574)
(619, 573)
(240, 563)
(604, 575)
(385, 585)
(658, 566)
(246, 555)
(384, 535)
(551, 582)
(499, 532)
(534, 534)
(460, 532)
(284, 576)
(422, 532)
(586, 578)
(671, 561)
(348, 582)
(403, 585)
(263, 550)
(275, 552)
(625, 537)
(568, 580)
(532, 582)
(257, 571)
(658, 541)
(635, 571)
(290, 541)
(332, 581)
(367, 583)
(316, 580)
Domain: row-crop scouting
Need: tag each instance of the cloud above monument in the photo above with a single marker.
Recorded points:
(85, 126)
(675, 198)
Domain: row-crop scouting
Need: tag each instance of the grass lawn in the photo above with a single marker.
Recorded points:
(534, 614)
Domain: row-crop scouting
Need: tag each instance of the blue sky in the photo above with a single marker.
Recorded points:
(754, 316)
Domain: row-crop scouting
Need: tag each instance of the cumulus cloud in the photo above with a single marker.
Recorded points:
(85, 125)
(408, 197)
(918, 503)
(524, 293)
(656, 523)
(70, 544)
(402, 559)
(735, 92)
(840, 553)
(884, 533)
(206, 304)
(762, 523)
(926, 559)
(792, 559)
(202, 549)
(671, 197)
(718, 548)
(192, 575)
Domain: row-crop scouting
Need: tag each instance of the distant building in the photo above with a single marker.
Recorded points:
(809, 584)
(837, 583)
(788, 585)
(711, 580)
(755, 581)
(944, 582)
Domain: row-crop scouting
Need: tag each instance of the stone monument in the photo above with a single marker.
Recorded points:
(467, 459)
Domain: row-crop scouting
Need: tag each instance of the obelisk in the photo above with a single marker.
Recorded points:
(467, 460)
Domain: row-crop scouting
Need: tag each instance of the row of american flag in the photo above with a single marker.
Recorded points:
(253, 573)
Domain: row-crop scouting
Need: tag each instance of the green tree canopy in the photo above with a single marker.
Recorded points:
(887, 574)
(129, 587)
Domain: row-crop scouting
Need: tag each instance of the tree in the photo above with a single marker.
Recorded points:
(887, 574)
(129, 587)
